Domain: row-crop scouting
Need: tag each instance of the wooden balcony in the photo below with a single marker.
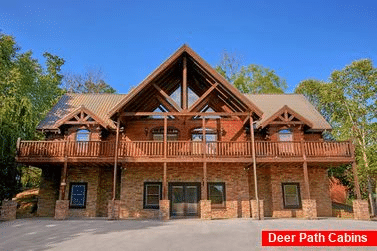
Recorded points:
(182, 151)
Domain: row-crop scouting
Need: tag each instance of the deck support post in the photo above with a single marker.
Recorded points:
(165, 136)
(116, 160)
(165, 183)
(305, 169)
(63, 182)
(205, 186)
(254, 167)
(354, 170)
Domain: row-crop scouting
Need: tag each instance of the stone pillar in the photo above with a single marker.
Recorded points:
(361, 210)
(309, 208)
(113, 209)
(61, 209)
(164, 209)
(254, 214)
(205, 210)
(8, 210)
(245, 209)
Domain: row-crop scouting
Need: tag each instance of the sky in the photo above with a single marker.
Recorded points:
(127, 40)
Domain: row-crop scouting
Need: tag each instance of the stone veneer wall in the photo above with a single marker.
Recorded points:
(133, 178)
(48, 191)
(89, 174)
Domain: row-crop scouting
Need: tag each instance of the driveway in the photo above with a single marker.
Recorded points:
(188, 234)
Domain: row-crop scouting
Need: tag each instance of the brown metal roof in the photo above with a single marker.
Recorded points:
(99, 104)
(272, 103)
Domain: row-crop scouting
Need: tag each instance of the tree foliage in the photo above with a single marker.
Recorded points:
(251, 79)
(90, 82)
(349, 102)
(27, 92)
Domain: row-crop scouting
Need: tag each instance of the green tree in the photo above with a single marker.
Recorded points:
(252, 78)
(349, 102)
(90, 82)
(27, 92)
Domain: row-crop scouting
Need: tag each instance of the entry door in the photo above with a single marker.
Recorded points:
(184, 198)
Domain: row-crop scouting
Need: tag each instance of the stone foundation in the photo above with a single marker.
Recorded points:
(309, 208)
(205, 209)
(8, 210)
(164, 209)
(113, 209)
(361, 210)
(254, 209)
(245, 209)
(61, 209)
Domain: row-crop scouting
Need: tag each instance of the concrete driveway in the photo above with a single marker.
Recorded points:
(188, 234)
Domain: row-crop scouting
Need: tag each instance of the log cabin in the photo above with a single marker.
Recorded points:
(184, 143)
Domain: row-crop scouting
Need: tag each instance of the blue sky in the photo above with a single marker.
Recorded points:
(129, 39)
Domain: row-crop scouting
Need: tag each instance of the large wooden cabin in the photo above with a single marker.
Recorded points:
(184, 142)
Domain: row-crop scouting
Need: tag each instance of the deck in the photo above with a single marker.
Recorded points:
(179, 151)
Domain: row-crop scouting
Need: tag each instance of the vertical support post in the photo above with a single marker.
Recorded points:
(205, 186)
(63, 182)
(254, 164)
(354, 170)
(18, 145)
(116, 159)
(204, 142)
(305, 168)
(165, 136)
(165, 183)
(184, 84)
(204, 151)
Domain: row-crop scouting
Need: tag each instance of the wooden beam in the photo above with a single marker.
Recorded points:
(197, 102)
(165, 135)
(63, 183)
(205, 183)
(167, 97)
(165, 183)
(185, 113)
(116, 160)
(204, 137)
(254, 164)
(184, 85)
(167, 104)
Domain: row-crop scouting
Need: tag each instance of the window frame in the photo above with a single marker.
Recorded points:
(71, 184)
(78, 132)
(222, 205)
(172, 133)
(145, 206)
(299, 206)
(281, 133)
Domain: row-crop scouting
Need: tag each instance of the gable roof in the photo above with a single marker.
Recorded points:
(270, 104)
(185, 49)
(98, 104)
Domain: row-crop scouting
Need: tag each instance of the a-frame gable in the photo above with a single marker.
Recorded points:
(186, 70)
(81, 116)
(286, 116)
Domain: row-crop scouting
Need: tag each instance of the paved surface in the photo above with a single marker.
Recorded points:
(188, 234)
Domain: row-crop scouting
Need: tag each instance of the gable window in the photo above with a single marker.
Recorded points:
(158, 134)
(77, 195)
(285, 135)
(291, 195)
(82, 135)
(216, 193)
(152, 194)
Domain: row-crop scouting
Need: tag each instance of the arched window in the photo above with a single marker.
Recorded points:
(158, 133)
(197, 134)
(82, 135)
(285, 135)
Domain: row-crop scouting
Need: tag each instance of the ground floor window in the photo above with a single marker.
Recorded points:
(216, 193)
(152, 194)
(291, 195)
(77, 195)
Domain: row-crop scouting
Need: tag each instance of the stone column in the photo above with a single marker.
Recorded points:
(245, 209)
(205, 210)
(164, 209)
(254, 213)
(309, 208)
(61, 209)
(361, 210)
(8, 210)
(113, 209)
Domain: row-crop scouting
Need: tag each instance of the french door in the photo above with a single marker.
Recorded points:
(184, 198)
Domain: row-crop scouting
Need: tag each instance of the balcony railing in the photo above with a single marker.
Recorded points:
(183, 149)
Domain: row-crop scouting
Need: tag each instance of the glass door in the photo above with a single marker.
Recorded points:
(184, 198)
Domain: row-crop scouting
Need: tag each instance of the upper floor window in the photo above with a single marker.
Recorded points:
(285, 135)
(82, 135)
(197, 135)
(158, 134)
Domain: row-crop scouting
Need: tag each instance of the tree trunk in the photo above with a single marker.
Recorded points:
(369, 183)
